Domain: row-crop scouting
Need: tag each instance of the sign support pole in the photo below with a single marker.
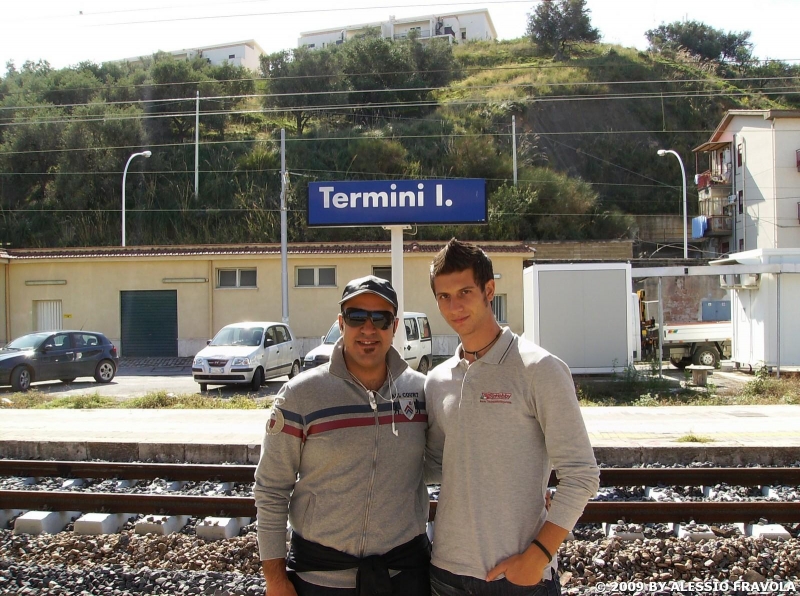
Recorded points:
(397, 282)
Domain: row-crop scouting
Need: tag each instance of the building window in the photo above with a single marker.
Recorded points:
(499, 308)
(741, 244)
(231, 56)
(311, 45)
(236, 278)
(741, 202)
(383, 273)
(739, 152)
(464, 34)
(310, 277)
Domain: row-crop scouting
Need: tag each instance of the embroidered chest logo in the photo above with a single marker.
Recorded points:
(495, 398)
(407, 407)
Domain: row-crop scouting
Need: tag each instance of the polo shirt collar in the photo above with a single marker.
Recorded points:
(496, 352)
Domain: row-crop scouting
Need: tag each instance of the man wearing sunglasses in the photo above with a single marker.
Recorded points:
(502, 411)
(342, 458)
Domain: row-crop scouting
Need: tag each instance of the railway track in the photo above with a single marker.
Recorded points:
(232, 506)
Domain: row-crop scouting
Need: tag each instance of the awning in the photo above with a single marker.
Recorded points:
(711, 146)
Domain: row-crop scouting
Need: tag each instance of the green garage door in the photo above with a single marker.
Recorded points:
(149, 323)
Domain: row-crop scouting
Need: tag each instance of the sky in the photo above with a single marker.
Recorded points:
(66, 32)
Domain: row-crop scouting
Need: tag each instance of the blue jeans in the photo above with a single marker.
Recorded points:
(444, 583)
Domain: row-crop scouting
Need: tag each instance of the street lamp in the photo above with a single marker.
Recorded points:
(124, 175)
(662, 153)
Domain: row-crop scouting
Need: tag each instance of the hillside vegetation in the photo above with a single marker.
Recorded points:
(588, 127)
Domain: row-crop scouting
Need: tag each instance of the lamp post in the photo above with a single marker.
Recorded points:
(124, 175)
(662, 153)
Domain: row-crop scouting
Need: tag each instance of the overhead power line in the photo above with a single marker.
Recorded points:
(418, 103)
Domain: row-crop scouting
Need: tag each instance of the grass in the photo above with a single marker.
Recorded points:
(156, 400)
(691, 437)
(632, 387)
(629, 387)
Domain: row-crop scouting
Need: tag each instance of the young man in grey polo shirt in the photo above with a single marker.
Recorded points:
(501, 413)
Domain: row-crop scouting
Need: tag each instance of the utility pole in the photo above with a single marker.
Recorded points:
(514, 145)
(197, 144)
(284, 259)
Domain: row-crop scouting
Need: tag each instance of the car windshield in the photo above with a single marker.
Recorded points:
(238, 336)
(28, 342)
(333, 334)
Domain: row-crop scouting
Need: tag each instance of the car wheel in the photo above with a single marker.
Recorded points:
(21, 378)
(295, 370)
(258, 379)
(706, 356)
(67, 381)
(105, 371)
(424, 365)
(680, 363)
(203, 387)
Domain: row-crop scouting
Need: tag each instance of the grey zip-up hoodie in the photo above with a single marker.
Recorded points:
(333, 465)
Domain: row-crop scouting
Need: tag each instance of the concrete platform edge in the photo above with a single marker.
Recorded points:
(624, 456)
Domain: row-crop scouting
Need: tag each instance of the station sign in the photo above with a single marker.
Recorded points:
(397, 202)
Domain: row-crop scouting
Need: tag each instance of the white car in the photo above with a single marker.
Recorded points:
(418, 344)
(247, 353)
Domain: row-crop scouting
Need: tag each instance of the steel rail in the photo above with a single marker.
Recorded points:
(244, 473)
(608, 511)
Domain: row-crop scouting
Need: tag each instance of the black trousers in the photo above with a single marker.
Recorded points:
(405, 583)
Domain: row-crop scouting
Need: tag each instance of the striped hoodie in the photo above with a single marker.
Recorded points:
(333, 464)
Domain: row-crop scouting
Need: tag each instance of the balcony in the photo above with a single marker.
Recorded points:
(706, 227)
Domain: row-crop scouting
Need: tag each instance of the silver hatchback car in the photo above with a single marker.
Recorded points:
(247, 353)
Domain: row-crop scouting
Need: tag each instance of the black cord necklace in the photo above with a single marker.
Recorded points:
(486, 347)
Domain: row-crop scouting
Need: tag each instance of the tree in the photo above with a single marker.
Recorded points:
(300, 80)
(556, 24)
(702, 41)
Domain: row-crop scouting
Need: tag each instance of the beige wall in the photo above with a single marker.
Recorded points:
(91, 296)
(4, 338)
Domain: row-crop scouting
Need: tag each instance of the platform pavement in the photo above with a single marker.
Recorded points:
(739, 435)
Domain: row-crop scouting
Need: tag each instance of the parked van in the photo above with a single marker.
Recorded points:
(417, 352)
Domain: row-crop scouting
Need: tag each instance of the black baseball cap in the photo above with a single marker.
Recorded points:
(370, 285)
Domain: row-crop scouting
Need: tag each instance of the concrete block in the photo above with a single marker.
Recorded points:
(174, 486)
(693, 532)
(47, 522)
(161, 524)
(253, 454)
(168, 453)
(74, 483)
(770, 492)
(101, 523)
(771, 531)
(224, 487)
(112, 451)
(219, 528)
(615, 531)
(655, 493)
(709, 492)
(68, 451)
(6, 515)
(215, 454)
(29, 481)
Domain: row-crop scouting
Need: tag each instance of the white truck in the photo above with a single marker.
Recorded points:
(703, 342)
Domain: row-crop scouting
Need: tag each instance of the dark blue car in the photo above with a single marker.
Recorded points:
(62, 355)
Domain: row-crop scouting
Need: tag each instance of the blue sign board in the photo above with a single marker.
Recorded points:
(397, 202)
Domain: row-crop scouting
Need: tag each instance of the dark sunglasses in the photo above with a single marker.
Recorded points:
(356, 317)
